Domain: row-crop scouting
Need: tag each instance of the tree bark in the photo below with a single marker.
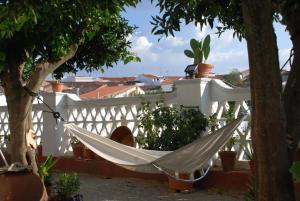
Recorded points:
(291, 17)
(272, 177)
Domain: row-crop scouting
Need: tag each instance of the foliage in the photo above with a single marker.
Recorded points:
(227, 14)
(45, 170)
(67, 185)
(222, 14)
(230, 117)
(295, 170)
(200, 50)
(213, 124)
(169, 128)
(233, 78)
(96, 26)
(231, 142)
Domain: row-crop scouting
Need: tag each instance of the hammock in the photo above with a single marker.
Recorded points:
(187, 159)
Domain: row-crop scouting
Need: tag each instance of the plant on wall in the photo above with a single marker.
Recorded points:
(169, 128)
(200, 50)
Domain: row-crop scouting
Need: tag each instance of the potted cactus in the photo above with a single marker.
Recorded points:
(200, 52)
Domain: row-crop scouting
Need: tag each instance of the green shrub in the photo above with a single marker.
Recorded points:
(45, 170)
(67, 185)
(168, 128)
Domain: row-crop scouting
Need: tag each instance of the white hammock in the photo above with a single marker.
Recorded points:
(189, 158)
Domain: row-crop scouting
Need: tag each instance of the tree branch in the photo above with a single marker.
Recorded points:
(45, 67)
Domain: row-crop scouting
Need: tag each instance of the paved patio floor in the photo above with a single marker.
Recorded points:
(125, 189)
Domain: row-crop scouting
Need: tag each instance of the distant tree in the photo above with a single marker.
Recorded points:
(252, 19)
(233, 78)
(40, 37)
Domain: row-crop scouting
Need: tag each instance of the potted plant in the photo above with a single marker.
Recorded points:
(227, 156)
(57, 86)
(77, 147)
(67, 186)
(169, 128)
(200, 52)
(45, 170)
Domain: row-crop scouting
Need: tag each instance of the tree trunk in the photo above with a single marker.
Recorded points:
(291, 16)
(273, 180)
(19, 105)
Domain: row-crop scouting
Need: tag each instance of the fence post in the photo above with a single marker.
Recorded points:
(54, 140)
(195, 92)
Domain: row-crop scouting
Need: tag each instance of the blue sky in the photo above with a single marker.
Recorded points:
(166, 56)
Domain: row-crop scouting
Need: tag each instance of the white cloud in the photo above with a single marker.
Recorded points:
(175, 41)
(141, 43)
(142, 47)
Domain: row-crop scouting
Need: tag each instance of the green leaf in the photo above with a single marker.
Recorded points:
(206, 53)
(194, 44)
(198, 56)
(295, 170)
(206, 42)
(91, 35)
(189, 53)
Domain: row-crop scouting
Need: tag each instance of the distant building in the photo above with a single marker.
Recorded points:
(148, 79)
(106, 91)
(167, 83)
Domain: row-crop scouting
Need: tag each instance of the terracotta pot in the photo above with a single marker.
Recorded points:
(204, 70)
(22, 186)
(179, 185)
(78, 151)
(57, 87)
(252, 166)
(227, 160)
(88, 154)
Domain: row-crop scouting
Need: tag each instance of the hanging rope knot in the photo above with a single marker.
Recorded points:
(56, 115)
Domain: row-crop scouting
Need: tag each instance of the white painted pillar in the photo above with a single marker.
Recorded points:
(195, 92)
(54, 140)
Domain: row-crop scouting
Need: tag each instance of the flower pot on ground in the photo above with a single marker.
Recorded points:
(200, 52)
(88, 154)
(78, 148)
(227, 156)
(180, 185)
(228, 159)
(22, 186)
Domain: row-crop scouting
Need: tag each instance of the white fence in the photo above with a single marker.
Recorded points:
(104, 116)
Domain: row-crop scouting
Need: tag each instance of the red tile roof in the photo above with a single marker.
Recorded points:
(105, 91)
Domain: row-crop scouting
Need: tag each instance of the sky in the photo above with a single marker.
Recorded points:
(166, 57)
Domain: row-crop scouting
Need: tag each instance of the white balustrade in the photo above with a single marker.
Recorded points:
(103, 116)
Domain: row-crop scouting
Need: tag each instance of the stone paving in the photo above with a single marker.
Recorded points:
(128, 189)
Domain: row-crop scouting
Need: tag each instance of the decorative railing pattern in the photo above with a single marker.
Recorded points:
(239, 99)
(105, 115)
(37, 121)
